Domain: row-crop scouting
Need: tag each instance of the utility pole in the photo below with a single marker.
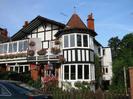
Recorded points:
(125, 79)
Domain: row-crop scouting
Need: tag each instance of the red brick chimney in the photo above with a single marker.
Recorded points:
(4, 33)
(26, 23)
(90, 22)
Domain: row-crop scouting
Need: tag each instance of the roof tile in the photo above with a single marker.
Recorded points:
(75, 22)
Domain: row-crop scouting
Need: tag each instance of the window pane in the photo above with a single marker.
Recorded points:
(21, 46)
(85, 40)
(21, 69)
(14, 47)
(10, 47)
(79, 40)
(72, 72)
(79, 71)
(66, 41)
(72, 40)
(16, 69)
(5, 48)
(91, 56)
(66, 72)
(1, 48)
(11, 68)
(25, 45)
(86, 73)
(26, 68)
(106, 70)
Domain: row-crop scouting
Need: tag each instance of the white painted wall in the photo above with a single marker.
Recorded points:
(107, 64)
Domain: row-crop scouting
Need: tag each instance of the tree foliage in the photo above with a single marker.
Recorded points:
(114, 44)
(122, 57)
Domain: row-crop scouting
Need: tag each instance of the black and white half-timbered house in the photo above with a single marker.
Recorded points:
(66, 51)
(78, 51)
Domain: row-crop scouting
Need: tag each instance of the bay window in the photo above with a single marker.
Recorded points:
(78, 72)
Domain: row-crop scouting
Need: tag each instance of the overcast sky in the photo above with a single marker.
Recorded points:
(112, 17)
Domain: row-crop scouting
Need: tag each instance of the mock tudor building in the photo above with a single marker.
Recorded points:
(66, 51)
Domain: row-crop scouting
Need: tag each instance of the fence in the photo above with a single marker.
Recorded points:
(74, 94)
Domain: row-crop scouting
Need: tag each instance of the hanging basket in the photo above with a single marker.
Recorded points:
(32, 43)
(30, 52)
(61, 59)
(55, 50)
(42, 52)
(57, 42)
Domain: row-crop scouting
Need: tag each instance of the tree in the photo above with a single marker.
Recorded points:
(123, 53)
(114, 43)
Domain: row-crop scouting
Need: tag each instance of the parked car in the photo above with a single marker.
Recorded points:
(18, 90)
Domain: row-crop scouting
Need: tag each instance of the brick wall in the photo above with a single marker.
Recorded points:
(131, 81)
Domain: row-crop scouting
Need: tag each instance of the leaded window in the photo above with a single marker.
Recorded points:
(66, 43)
(85, 41)
(66, 72)
(5, 48)
(80, 72)
(72, 40)
(79, 42)
(73, 72)
(14, 47)
(86, 71)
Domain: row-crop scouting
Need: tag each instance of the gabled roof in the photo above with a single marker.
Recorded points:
(75, 22)
(32, 25)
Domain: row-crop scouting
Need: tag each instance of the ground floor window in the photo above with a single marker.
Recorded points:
(11, 68)
(26, 68)
(16, 69)
(78, 71)
(19, 69)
